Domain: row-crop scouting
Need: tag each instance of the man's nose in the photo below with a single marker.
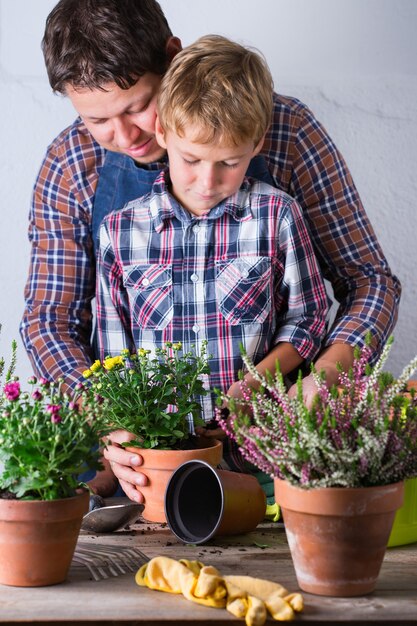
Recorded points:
(125, 132)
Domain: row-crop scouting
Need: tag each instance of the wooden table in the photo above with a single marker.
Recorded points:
(263, 553)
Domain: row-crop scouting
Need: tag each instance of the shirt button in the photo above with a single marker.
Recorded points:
(194, 278)
(244, 273)
(196, 328)
(145, 282)
(196, 228)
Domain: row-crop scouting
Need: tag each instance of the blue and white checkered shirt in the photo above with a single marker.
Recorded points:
(244, 274)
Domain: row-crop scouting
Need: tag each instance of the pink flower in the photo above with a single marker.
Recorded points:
(56, 418)
(32, 380)
(36, 395)
(53, 408)
(12, 391)
(44, 382)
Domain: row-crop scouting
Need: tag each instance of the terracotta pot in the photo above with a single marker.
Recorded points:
(158, 466)
(338, 536)
(38, 539)
(202, 502)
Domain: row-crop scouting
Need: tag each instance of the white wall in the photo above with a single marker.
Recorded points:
(354, 62)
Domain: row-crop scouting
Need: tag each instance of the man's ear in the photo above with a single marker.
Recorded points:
(173, 46)
(160, 133)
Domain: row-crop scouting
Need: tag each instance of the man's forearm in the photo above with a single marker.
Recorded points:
(371, 306)
(55, 354)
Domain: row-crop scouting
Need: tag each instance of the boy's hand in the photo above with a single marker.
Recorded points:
(309, 390)
(123, 462)
(211, 430)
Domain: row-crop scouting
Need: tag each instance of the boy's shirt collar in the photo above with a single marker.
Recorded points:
(163, 206)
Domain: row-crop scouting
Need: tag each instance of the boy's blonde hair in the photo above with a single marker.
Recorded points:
(220, 87)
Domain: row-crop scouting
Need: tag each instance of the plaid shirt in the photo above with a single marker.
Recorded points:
(245, 274)
(303, 162)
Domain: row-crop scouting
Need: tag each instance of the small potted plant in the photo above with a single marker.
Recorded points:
(338, 466)
(46, 441)
(155, 398)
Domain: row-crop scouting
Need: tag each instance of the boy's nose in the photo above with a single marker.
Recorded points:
(209, 178)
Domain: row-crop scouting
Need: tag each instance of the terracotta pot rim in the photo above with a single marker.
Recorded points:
(77, 496)
(39, 510)
(346, 501)
(337, 489)
(170, 459)
(211, 443)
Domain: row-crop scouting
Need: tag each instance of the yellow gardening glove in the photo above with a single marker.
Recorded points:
(280, 604)
(240, 604)
(191, 578)
(243, 596)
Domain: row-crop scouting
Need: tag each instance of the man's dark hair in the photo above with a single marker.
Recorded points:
(88, 43)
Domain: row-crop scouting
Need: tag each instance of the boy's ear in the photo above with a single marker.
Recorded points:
(160, 133)
(173, 46)
(258, 146)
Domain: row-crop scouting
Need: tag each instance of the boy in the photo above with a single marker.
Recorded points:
(208, 254)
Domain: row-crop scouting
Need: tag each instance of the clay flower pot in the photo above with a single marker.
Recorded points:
(338, 536)
(158, 466)
(202, 502)
(38, 539)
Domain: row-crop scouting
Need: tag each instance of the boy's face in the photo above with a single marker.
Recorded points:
(122, 120)
(203, 175)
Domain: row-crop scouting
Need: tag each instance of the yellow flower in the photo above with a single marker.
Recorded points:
(125, 353)
(96, 366)
(111, 361)
(87, 373)
(143, 352)
(177, 346)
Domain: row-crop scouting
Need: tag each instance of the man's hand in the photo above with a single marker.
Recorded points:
(123, 463)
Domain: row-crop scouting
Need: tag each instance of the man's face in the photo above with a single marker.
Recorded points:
(202, 175)
(122, 120)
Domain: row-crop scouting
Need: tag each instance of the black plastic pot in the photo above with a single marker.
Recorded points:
(202, 502)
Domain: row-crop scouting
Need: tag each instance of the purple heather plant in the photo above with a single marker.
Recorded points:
(362, 432)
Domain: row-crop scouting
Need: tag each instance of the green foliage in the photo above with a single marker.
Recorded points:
(362, 432)
(11, 368)
(153, 397)
(47, 438)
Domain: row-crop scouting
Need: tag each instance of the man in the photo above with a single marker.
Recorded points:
(108, 57)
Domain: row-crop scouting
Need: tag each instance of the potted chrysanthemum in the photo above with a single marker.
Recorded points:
(47, 439)
(338, 466)
(156, 398)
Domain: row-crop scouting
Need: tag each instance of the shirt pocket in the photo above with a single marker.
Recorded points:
(243, 289)
(150, 294)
